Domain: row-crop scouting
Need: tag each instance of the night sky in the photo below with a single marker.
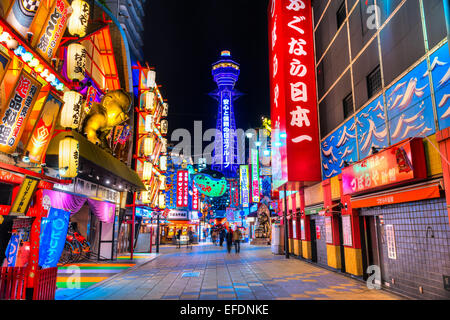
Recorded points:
(184, 38)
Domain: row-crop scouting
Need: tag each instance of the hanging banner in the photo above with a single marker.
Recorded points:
(90, 99)
(244, 185)
(23, 197)
(255, 176)
(295, 133)
(53, 237)
(12, 250)
(53, 29)
(38, 143)
(22, 14)
(17, 111)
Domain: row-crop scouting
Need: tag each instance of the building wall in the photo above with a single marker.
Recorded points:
(422, 238)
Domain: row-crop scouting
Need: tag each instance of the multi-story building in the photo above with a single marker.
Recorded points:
(382, 70)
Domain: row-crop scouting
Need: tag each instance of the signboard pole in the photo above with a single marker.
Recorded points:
(286, 234)
(157, 234)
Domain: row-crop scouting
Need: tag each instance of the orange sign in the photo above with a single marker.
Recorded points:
(426, 192)
(43, 130)
(17, 111)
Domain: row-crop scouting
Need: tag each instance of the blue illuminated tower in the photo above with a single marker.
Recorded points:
(225, 73)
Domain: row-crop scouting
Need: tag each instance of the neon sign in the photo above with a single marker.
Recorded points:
(255, 176)
(244, 186)
(210, 186)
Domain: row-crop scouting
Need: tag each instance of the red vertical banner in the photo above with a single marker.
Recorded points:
(180, 189)
(295, 130)
(195, 198)
(185, 188)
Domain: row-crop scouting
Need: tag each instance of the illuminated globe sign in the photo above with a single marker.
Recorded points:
(210, 186)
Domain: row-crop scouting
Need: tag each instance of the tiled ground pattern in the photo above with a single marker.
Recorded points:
(253, 274)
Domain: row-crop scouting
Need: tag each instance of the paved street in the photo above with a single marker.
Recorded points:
(208, 272)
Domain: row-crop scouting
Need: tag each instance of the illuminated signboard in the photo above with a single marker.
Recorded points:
(23, 198)
(244, 186)
(402, 162)
(182, 188)
(210, 186)
(22, 14)
(17, 111)
(295, 133)
(255, 176)
(195, 198)
(53, 29)
(43, 129)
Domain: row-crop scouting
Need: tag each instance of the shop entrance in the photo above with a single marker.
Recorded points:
(312, 227)
(371, 244)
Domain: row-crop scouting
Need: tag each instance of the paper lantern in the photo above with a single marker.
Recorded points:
(149, 101)
(79, 19)
(162, 201)
(149, 145)
(147, 173)
(76, 61)
(162, 179)
(70, 113)
(149, 123)
(164, 126)
(165, 112)
(151, 79)
(163, 163)
(164, 145)
(68, 157)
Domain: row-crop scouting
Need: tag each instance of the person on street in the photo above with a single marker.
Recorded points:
(229, 239)
(237, 236)
(191, 239)
(222, 235)
(214, 237)
(178, 238)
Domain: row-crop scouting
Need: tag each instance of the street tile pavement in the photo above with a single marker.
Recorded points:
(253, 274)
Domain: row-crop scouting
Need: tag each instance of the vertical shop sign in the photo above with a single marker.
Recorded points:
(347, 231)
(294, 228)
(328, 230)
(390, 241)
(24, 196)
(182, 192)
(295, 133)
(53, 29)
(244, 186)
(43, 129)
(17, 111)
(186, 188)
(302, 229)
(255, 176)
(195, 198)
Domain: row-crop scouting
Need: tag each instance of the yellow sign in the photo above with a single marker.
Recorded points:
(23, 198)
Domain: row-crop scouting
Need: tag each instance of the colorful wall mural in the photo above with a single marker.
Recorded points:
(409, 114)
(339, 147)
(440, 71)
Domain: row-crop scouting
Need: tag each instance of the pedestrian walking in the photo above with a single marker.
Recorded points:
(229, 239)
(214, 237)
(178, 238)
(222, 236)
(237, 236)
(191, 239)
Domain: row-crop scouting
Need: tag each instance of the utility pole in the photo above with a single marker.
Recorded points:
(286, 233)
(157, 233)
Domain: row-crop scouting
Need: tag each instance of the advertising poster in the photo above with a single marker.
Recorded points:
(53, 29)
(17, 111)
(302, 229)
(43, 129)
(347, 231)
(328, 230)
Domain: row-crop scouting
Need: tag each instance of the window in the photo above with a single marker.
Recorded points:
(374, 82)
(341, 14)
(348, 106)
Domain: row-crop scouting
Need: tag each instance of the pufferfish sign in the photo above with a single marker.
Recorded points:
(210, 184)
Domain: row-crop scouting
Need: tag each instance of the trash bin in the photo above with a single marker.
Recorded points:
(277, 239)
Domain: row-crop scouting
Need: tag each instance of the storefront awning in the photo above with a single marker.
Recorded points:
(421, 191)
(97, 156)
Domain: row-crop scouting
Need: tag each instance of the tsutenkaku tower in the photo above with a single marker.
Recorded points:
(226, 73)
